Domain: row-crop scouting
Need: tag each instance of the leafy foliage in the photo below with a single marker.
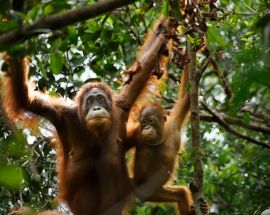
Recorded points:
(236, 178)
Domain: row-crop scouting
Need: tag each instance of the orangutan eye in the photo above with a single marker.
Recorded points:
(89, 101)
(101, 98)
(151, 121)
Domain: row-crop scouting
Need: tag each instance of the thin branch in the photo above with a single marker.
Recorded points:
(32, 165)
(204, 67)
(248, 7)
(253, 119)
(135, 36)
(168, 100)
(250, 126)
(244, 14)
(171, 76)
(144, 24)
(230, 129)
(207, 118)
(57, 21)
(236, 121)
(223, 78)
(258, 114)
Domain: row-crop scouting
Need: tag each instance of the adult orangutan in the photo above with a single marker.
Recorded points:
(158, 140)
(92, 170)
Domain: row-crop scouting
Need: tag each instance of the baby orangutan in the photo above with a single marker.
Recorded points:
(158, 140)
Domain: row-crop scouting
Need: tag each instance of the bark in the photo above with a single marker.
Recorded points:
(197, 181)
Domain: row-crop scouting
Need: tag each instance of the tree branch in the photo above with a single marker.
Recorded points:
(253, 111)
(249, 126)
(197, 180)
(236, 121)
(57, 21)
(230, 129)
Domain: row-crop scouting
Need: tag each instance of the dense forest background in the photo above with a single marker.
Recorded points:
(234, 95)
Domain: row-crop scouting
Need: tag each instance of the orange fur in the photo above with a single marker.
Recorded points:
(155, 85)
(86, 160)
(154, 165)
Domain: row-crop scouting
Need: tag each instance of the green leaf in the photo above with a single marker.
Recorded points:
(11, 176)
(244, 39)
(56, 6)
(165, 8)
(242, 94)
(246, 117)
(176, 9)
(48, 9)
(249, 33)
(72, 35)
(7, 26)
(34, 12)
(213, 35)
(56, 63)
(41, 67)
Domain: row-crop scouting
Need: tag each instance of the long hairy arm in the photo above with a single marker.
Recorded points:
(151, 54)
(20, 101)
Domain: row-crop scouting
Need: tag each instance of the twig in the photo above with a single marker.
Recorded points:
(204, 67)
(253, 118)
(171, 76)
(57, 21)
(136, 37)
(168, 99)
(144, 24)
(248, 7)
(32, 165)
(223, 78)
(258, 114)
(244, 14)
